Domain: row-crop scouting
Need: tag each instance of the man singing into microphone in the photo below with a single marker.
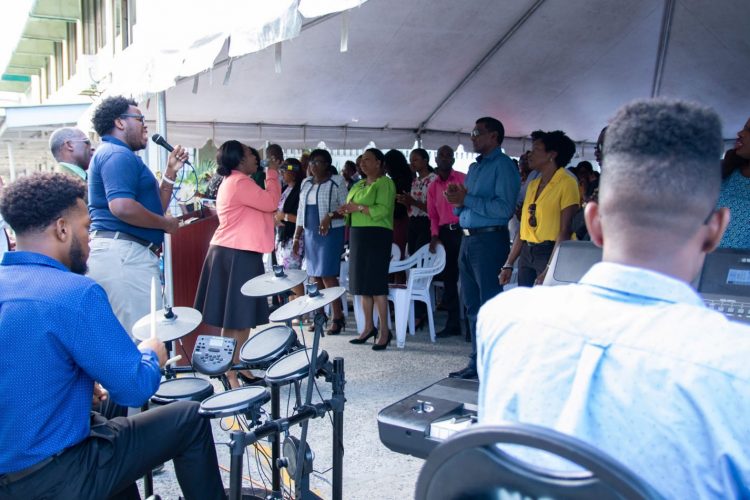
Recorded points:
(127, 207)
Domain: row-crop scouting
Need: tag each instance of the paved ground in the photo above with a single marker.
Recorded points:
(374, 381)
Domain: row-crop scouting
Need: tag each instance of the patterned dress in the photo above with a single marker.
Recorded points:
(735, 195)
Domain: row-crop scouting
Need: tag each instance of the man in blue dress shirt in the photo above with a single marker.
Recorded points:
(484, 204)
(630, 359)
(60, 340)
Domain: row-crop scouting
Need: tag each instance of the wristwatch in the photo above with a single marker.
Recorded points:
(361, 208)
(330, 215)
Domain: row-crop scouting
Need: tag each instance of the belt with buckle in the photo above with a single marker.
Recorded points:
(119, 235)
(451, 227)
(540, 244)
(12, 477)
(487, 229)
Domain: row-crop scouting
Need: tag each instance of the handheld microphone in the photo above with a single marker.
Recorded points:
(161, 141)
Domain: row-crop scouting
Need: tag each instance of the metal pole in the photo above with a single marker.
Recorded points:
(275, 442)
(661, 55)
(338, 428)
(237, 439)
(161, 125)
(319, 322)
(11, 163)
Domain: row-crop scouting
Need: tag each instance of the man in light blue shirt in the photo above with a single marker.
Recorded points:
(484, 204)
(629, 359)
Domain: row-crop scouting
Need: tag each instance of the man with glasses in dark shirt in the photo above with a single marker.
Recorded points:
(484, 203)
(127, 207)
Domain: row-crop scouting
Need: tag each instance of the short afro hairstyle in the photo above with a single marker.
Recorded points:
(108, 111)
(32, 203)
(663, 164)
(558, 142)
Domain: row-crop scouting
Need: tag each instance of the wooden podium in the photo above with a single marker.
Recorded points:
(189, 247)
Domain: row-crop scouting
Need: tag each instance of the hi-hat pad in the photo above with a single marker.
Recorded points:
(273, 282)
(315, 299)
(183, 321)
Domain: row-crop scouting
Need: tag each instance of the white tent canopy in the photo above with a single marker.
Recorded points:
(431, 67)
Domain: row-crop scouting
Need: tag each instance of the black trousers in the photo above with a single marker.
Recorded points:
(418, 235)
(119, 451)
(534, 258)
(482, 255)
(451, 240)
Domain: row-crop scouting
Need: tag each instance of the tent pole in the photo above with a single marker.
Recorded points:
(11, 162)
(506, 36)
(661, 55)
(161, 125)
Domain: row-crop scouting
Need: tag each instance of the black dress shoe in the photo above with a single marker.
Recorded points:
(467, 373)
(257, 381)
(448, 332)
(362, 340)
(381, 347)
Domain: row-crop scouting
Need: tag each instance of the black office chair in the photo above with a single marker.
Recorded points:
(470, 466)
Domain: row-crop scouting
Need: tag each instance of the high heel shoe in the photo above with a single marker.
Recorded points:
(339, 324)
(358, 340)
(381, 347)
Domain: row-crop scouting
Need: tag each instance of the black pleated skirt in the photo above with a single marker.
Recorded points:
(224, 272)
(369, 257)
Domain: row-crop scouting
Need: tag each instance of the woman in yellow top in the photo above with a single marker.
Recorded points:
(548, 208)
(369, 211)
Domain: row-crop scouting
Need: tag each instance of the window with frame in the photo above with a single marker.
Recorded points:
(94, 27)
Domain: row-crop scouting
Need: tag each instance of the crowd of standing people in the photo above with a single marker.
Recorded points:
(378, 201)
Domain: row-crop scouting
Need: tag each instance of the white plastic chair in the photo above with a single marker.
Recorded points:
(359, 314)
(421, 267)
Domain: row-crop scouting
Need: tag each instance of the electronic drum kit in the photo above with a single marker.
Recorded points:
(275, 350)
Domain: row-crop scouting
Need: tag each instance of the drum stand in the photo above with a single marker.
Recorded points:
(277, 282)
(239, 440)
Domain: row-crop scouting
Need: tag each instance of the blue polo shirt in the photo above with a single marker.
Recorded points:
(59, 335)
(117, 172)
(492, 183)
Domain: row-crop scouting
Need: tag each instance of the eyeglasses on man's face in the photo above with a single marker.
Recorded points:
(476, 132)
(87, 141)
(140, 118)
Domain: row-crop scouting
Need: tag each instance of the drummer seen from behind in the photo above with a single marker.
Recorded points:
(59, 321)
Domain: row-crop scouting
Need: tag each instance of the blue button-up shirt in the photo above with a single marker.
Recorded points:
(632, 362)
(58, 335)
(492, 187)
(117, 172)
